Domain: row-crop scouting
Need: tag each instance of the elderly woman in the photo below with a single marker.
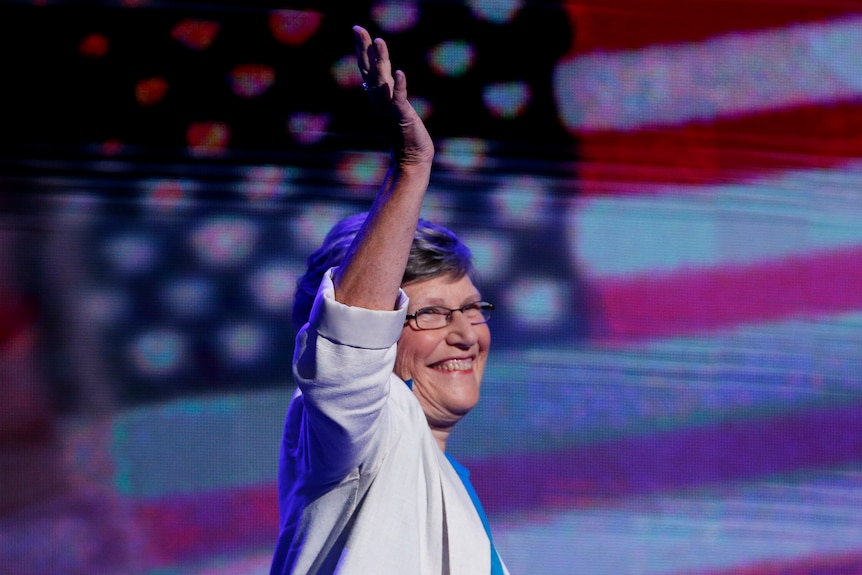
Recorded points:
(390, 356)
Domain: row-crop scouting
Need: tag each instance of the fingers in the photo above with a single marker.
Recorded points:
(372, 58)
(382, 53)
(387, 91)
(363, 46)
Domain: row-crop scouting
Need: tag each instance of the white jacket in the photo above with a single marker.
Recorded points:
(364, 489)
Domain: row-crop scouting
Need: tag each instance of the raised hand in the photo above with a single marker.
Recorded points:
(387, 92)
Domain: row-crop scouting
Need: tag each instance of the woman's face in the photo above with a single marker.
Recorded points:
(445, 364)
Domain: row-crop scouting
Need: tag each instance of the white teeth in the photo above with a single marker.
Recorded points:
(454, 365)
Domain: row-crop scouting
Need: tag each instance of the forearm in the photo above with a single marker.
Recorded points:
(371, 273)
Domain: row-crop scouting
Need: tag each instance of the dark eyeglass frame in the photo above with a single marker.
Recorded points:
(484, 308)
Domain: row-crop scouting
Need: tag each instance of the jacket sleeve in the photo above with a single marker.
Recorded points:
(343, 366)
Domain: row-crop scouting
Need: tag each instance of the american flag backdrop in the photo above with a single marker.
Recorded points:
(664, 199)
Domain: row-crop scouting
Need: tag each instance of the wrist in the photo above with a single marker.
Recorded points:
(418, 158)
(412, 168)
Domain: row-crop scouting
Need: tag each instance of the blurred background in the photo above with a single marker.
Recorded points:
(664, 199)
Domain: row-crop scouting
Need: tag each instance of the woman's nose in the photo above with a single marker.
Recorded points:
(461, 331)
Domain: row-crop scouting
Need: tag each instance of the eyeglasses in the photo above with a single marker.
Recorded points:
(435, 317)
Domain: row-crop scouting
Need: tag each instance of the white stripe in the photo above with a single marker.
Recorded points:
(677, 226)
(594, 394)
(727, 75)
(722, 528)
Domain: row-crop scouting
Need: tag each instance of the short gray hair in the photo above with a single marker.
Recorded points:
(436, 251)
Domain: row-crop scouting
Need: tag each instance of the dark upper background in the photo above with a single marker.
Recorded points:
(59, 101)
(73, 129)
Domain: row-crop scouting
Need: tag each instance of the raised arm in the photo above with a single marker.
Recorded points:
(371, 273)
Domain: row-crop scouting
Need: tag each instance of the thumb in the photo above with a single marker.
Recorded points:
(399, 92)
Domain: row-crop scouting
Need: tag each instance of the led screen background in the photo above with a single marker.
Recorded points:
(664, 200)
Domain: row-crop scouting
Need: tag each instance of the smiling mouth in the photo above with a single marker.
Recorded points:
(454, 365)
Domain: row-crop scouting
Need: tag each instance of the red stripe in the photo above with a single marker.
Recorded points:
(693, 301)
(722, 150)
(632, 24)
(16, 314)
(188, 527)
(844, 564)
